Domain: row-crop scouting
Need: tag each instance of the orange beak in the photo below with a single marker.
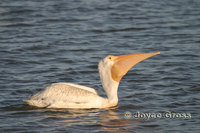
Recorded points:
(122, 64)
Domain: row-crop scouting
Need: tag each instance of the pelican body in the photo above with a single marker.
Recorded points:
(68, 95)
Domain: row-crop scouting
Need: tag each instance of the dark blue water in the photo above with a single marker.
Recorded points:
(42, 42)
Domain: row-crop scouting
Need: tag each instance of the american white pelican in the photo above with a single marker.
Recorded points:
(68, 95)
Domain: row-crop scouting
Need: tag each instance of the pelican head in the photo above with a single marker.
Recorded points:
(113, 68)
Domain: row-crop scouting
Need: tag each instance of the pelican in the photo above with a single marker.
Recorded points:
(69, 95)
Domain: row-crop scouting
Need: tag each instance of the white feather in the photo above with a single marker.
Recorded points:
(69, 95)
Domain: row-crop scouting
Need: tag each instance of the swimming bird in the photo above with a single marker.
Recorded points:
(69, 95)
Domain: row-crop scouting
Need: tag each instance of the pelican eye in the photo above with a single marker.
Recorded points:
(111, 58)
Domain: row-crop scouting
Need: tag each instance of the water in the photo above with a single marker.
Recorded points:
(42, 42)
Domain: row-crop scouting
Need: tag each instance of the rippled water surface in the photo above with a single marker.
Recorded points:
(43, 42)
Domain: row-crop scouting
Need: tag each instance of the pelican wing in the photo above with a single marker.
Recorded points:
(63, 94)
